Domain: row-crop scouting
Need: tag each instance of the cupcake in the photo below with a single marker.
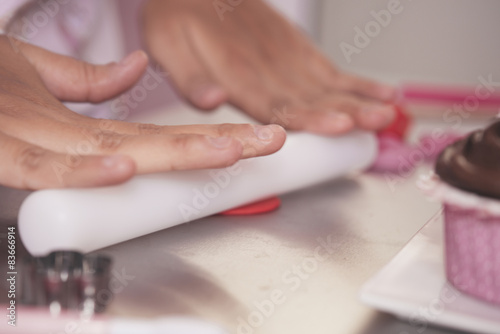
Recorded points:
(467, 182)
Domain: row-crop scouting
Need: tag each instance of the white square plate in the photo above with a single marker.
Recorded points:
(413, 287)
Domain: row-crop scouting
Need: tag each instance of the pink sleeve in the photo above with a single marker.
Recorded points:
(7, 10)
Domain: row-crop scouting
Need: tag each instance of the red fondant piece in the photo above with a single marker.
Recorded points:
(256, 208)
(399, 126)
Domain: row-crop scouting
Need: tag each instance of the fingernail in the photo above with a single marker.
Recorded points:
(387, 92)
(264, 133)
(208, 95)
(131, 57)
(341, 120)
(379, 114)
(127, 60)
(220, 142)
(116, 162)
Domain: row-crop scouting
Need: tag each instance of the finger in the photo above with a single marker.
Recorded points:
(375, 117)
(366, 114)
(263, 93)
(72, 80)
(151, 153)
(235, 66)
(256, 140)
(327, 122)
(96, 136)
(332, 113)
(27, 166)
(322, 68)
(364, 87)
(161, 153)
(188, 72)
(242, 77)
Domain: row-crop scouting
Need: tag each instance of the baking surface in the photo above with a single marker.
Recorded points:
(263, 269)
(295, 270)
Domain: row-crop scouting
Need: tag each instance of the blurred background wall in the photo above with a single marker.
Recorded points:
(435, 41)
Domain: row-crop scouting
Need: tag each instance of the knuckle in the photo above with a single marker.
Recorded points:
(224, 130)
(107, 125)
(89, 77)
(30, 158)
(149, 129)
(182, 143)
(109, 141)
(102, 140)
(88, 71)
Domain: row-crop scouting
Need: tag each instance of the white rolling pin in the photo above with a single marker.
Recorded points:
(89, 219)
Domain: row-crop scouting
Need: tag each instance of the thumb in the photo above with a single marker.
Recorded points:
(73, 80)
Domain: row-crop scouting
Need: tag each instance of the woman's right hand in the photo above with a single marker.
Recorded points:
(45, 145)
(256, 60)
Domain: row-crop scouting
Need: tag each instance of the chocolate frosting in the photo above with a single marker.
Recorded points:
(473, 163)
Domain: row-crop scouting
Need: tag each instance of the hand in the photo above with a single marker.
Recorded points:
(43, 144)
(256, 60)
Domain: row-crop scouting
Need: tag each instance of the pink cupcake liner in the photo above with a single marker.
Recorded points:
(472, 239)
(472, 252)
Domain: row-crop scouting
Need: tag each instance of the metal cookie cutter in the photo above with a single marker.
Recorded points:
(66, 280)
